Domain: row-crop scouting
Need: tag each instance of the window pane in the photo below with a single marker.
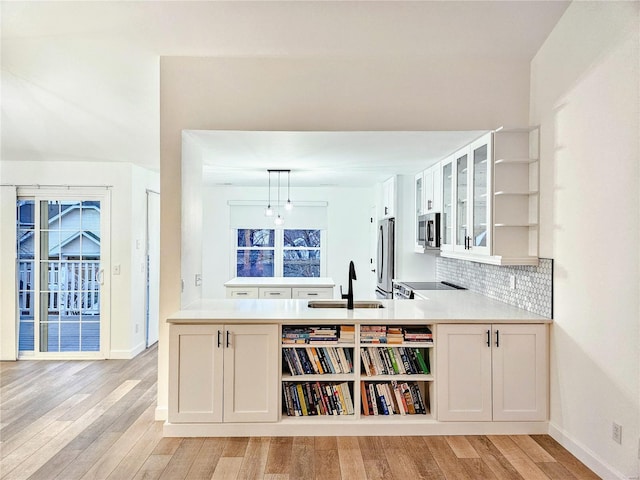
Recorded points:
(301, 263)
(255, 238)
(302, 238)
(254, 263)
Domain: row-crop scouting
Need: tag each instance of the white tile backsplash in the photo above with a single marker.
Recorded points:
(533, 285)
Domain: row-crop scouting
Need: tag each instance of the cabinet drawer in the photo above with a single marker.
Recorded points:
(323, 292)
(275, 292)
(236, 292)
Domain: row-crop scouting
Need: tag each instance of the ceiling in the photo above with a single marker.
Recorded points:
(320, 158)
(81, 80)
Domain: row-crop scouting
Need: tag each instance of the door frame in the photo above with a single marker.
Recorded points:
(68, 193)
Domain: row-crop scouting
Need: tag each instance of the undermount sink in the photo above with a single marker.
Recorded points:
(343, 304)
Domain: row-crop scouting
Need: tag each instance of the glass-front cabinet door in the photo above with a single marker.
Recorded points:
(479, 240)
(461, 164)
(446, 226)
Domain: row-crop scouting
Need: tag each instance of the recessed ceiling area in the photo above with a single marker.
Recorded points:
(363, 158)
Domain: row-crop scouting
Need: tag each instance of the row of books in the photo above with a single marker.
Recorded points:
(392, 398)
(417, 334)
(320, 334)
(394, 335)
(394, 361)
(318, 360)
(317, 398)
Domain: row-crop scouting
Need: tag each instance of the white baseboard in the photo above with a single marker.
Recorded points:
(585, 455)
(161, 414)
(127, 354)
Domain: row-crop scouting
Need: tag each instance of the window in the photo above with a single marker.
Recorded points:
(278, 253)
(255, 252)
(301, 253)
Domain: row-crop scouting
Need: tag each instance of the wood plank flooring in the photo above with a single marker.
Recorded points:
(91, 420)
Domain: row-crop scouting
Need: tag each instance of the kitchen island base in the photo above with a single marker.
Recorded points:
(252, 369)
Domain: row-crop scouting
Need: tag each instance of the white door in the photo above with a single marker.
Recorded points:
(63, 291)
(464, 372)
(519, 372)
(153, 267)
(251, 387)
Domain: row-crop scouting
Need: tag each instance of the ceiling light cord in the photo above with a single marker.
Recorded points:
(279, 220)
(269, 211)
(288, 205)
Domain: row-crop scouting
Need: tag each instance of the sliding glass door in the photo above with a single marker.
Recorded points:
(61, 278)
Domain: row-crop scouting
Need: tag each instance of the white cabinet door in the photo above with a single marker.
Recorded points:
(311, 293)
(448, 202)
(436, 191)
(251, 388)
(195, 373)
(492, 372)
(275, 292)
(480, 194)
(463, 372)
(389, 198)
(520, 372)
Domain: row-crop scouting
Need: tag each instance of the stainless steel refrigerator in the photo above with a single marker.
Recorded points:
(386, 258)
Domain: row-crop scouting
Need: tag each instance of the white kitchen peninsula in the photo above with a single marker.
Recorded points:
(280, 287)
(230, 371)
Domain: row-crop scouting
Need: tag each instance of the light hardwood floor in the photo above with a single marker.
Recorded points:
(94, 420)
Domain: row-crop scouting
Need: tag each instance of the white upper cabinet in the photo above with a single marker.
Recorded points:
(432, 195)
(389, 198)
(490, 200)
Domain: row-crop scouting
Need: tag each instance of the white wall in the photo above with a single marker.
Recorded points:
(347, 234)
(410, 265)
(127, 224)
(585, 97)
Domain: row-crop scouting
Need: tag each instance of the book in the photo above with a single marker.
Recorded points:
(408, 398)
(392, 359)
(316, 361)
(365, 362)
(374, 399)
(363, 399)
(303, 405)
(346, 395)
(383, 403)
(401, 402)
(421, 361)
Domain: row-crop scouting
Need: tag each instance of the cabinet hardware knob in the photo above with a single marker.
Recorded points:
(227, 338)
(489, 338)
(219, 339)
(497, 338)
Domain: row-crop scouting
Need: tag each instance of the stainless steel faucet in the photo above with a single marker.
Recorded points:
(352, 277)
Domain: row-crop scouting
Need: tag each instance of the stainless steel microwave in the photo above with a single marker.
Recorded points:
(429, 230)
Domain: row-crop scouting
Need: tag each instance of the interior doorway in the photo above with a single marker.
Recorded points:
(152, 294)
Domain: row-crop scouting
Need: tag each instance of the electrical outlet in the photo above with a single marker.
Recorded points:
(137, 327)
(616, 433)
(198, 279)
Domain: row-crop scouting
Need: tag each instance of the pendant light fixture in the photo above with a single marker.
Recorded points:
(279, 220)
(268, 212)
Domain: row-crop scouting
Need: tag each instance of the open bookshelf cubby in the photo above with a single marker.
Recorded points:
(357, 372)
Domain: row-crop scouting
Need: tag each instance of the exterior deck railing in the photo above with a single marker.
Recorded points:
(73, 287)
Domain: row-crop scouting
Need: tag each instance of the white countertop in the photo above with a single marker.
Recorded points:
(439, 306)
(280, 282)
